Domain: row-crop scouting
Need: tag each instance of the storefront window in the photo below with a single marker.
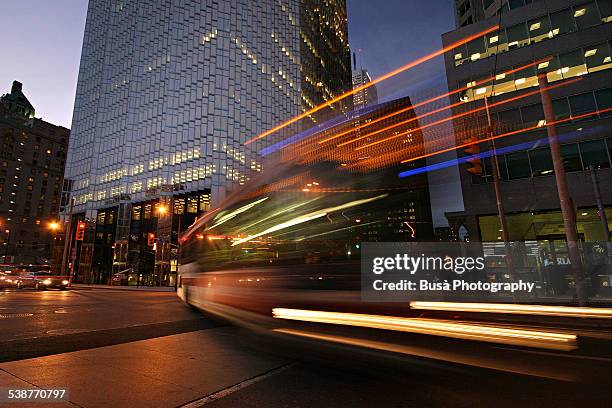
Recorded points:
(594, 153)
(136, 212)
(147, 211)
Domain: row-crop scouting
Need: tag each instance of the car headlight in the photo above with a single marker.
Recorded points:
(47, 281)
(65, 282)
(9, 280)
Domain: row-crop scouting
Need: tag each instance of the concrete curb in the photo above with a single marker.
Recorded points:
(132, 288)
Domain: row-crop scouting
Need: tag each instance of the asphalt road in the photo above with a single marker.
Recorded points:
(105, 335)
(49, 322)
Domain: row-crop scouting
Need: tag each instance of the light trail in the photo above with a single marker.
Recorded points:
(428, 101)
(309, 217)
(234, 213)
(542, 310)
(459, 115)
(444, 328)
(373, 82)
(499, 136)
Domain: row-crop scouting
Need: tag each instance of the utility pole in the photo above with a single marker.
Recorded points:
(602, 211)
(567, 208)
(67, 237)
(498, 195)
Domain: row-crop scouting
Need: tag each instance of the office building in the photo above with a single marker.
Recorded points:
(364, 97)
(569, 42)
(168, 94)
(32, 159)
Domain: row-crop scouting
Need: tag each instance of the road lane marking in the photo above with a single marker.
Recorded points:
(237, 387)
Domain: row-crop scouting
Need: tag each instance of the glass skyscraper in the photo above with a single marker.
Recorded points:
(169, 92)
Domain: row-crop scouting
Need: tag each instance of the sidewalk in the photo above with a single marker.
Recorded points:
(113, 287)
(161, 372)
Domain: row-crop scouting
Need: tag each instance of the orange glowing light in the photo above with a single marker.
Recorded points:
(459, 115)
(564, 311)
(373, 82)
(54, 225)
(446, 328)
(425, 102)
(499, 136)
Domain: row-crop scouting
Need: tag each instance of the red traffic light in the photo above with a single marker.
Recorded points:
(80, 232)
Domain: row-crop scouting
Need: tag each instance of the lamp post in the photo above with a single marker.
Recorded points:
(6, 244)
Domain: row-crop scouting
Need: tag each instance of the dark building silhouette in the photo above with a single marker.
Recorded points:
(32, 159)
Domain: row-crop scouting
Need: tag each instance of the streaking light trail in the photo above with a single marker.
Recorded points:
(445, 328)
(520, 146)
(428, 101)
(373, 82)
(309, 217)
(564, 311)
(459, 115)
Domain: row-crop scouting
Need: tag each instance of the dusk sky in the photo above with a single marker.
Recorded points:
(43, 38)
(42, 45)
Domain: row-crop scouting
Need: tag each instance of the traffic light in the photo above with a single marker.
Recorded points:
(150, 239)
(80, 232)
(473, 159)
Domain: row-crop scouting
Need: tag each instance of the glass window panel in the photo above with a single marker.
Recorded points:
(583, 103)
(497, 42)
(460, 55)
(561, 108)
(552, 68)
(571, 157)
(539, 29)
(594, 153)
(517, 36)
(516, 3)
(605, 9)
(525, 78)
(572, 64)
(598, 57)
(533, 115)
(518, 165)
(504, 83)
(604, 101)
(541, 162)
(476, 49)
(510, 118)
(586, 15)
(562, 22)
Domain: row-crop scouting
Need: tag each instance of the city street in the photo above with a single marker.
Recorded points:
(147, 349)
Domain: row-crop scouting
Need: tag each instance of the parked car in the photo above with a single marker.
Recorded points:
(119, 278)
(42, 280)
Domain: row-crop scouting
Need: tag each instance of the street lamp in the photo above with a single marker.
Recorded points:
(54, 226)
(162, 210)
